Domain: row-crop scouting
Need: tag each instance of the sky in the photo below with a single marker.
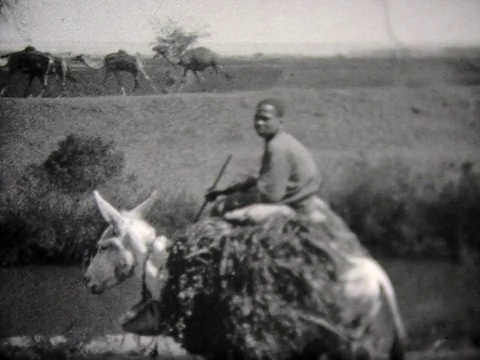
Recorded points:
(239, 27)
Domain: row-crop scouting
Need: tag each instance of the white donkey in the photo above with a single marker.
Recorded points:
(123, 249)
(130, 246)
(362, 283)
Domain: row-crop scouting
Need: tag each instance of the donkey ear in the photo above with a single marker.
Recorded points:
(109, 213)
(140, 211)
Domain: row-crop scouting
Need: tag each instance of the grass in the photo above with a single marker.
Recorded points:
(181, 141)
(177, 143)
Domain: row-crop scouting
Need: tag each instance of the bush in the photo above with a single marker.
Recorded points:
(40, 224)
(50, 216)
(82, 163)
(395, 212)
(455, 213)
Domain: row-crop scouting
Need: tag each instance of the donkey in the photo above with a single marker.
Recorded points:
(127, 245)
(126, 248)
(361, 283)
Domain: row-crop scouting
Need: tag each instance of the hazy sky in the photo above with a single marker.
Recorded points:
(107, 25)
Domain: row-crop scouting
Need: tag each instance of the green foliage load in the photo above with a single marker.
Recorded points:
(82, 163)
(250, 292)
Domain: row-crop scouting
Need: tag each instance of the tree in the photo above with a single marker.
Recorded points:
(6, 7)
(173, 39)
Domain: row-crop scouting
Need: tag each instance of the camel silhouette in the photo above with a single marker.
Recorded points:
(115, 63)
(195, 60)
(33, 63)
(62, 70)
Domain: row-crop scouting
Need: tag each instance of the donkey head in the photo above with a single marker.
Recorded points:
(123, 246)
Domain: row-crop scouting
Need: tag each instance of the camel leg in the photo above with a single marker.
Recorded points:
(199, 79)
(135, 82)
(107, 72)
(10, 74)
(3, 90)
(219, 70)
(184, 80)
(28, 92)
(45, 81)
(119, 82)
(105, 77)
(149, 80)
(64, 86)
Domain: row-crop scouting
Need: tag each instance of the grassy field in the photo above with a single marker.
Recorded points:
(419, 118)
(178, 142)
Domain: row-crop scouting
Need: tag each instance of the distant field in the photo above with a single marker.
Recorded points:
(261, 74)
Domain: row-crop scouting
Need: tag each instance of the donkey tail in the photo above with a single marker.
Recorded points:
(397, 351)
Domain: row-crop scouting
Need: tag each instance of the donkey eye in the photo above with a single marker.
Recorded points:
(104, 247)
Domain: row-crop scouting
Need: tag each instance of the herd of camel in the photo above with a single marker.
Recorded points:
(37, 64)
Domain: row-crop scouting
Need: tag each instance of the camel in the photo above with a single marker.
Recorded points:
(33, 63)
(195, 60)
(116, 62)
(62, 71)
(130, 246)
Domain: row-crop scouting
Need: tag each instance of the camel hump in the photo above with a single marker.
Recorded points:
(31, 56)
(202, 52)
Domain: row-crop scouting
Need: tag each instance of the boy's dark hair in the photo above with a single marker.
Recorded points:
(278, 104)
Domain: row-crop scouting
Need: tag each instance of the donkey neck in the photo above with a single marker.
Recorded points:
(152, 270)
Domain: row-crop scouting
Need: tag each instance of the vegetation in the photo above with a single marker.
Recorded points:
(7, 6)
(174, 38)
(51, 217)
(397, 213)
(250, 287)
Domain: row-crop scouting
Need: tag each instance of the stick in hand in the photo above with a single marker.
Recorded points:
(219, 176)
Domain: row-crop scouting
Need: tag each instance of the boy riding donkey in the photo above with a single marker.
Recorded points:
(288, 179)
(286, 185)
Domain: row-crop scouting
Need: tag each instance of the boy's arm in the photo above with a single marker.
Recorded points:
(239, 187)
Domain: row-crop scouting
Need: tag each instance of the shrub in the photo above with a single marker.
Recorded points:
(82, 163)
(396, 212)
(454, 214)
(49, 215)
(40, 224)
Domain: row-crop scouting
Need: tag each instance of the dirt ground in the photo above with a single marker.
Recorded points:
(54, 301)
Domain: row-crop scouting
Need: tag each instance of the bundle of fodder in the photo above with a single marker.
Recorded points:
(253, 292)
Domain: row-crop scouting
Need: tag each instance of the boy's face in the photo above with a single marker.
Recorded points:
(266, 121)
